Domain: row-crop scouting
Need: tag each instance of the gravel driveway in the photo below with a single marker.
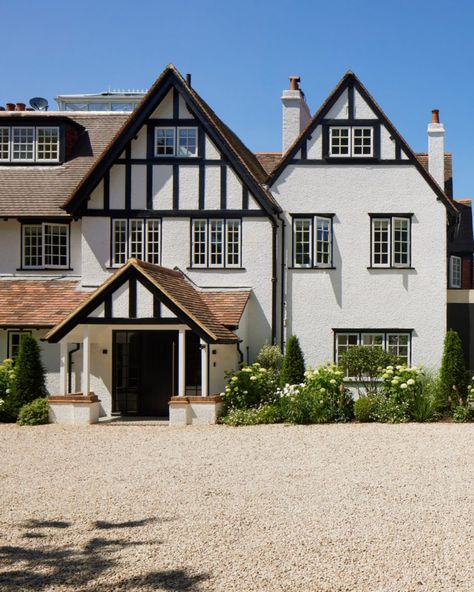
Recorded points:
(316, 508)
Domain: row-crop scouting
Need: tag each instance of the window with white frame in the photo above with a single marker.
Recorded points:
(137, 238)
(351, 141)
(45, 245)
(14, 341)
(29, 144)
(393, 342)
(455, 267)
(216, 243)
(176, 141)
(391, 241)
(312, 241)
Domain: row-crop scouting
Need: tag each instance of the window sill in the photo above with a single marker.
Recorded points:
(372, 268)
(297, 268)
(216, 268)
(44, 269)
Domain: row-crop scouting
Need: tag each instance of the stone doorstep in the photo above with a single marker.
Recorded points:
(212, 399)
(73, 398)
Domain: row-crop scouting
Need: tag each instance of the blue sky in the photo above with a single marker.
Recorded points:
(413, 55)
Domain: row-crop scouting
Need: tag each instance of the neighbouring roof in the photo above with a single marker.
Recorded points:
(227, 306)
(38, 303)
(40, 190)
(206, 314)
(422, 158)
(268, 160)
(460, 237)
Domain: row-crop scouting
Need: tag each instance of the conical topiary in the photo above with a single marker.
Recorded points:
(453, 375)
(29, 383)
(292, 370)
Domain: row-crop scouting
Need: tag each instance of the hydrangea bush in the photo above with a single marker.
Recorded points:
(249, 387)
(401, 387)
(7, 379)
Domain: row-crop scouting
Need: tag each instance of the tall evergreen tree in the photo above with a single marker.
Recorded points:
(292, 369)
(453, 374)
(29, 383)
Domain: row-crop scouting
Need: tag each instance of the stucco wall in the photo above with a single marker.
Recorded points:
(352, 296)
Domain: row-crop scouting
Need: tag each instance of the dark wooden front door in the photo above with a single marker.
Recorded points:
(145, 370)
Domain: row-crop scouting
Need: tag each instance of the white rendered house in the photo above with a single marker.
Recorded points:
(152, 252)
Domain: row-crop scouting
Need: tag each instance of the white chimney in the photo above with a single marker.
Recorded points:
(436, 148)
(296, 112)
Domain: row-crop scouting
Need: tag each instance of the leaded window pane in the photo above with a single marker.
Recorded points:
(165, 140)
(153, 241)
(302, 244)
(187, 141)
(119, 245)
(4, 143)
(23, 143)
(47, 143)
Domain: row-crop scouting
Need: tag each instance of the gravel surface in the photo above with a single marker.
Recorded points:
(301, 508)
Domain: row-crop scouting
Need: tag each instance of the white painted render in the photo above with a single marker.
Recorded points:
(295, 115)
(436, 152)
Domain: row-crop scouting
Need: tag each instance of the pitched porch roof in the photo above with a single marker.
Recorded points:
(173, 289)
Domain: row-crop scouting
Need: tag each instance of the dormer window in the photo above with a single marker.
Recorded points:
(29, 144)
(351, 141)
(176, 141)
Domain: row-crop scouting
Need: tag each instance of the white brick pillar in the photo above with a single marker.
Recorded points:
(86, 362)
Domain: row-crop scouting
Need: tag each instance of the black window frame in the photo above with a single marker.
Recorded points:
(374, 124)
(208, 221)
(391, 217)
(312, 217)
(144, 221)
(385, 332)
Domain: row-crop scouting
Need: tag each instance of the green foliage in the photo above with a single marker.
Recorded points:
(29, 383)
(8, 408)
(293, 367)
(321, 398)
(249, 388)
(391, 410)
(260, 415)
(364, 363)
(365, 408)
(34, 413)
(426, 406)
(401, 386)
(270, 357)
(453, 375)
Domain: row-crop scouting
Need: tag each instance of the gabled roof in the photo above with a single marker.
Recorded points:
(227, 306)
(268, 160)
(241, 158)
(32, 190)
(170, 286)
(351, 80)
(38, 303)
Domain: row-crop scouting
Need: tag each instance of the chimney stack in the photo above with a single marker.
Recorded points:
(436, 148)
(296, 113)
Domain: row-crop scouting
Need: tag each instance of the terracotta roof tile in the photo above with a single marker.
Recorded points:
(38, 303)
(422, 158)
(268, 160)
(227, 306)
(41, 190)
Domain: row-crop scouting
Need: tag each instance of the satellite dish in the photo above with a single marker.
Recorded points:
(39, 104)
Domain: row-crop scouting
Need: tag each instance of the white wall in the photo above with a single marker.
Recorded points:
(352, 296)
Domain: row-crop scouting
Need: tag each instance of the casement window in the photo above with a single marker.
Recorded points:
(391, 241)
(312, 241)
(393, 342)
(136, 238)
(29, 144)
(45, 245)
(176, 141)
(216, 243)
(14, 341)
(455, 271)
(351, 141)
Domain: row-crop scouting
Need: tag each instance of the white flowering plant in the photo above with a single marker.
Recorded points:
(7, 378)
(249, 387)
(402, 386)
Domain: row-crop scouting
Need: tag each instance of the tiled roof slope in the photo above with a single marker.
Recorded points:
(40, 190)
(38, 303)
(227, 306)
(460, 239)
(268, 160)
(422, 158)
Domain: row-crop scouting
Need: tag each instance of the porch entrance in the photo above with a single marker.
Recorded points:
(145, 371)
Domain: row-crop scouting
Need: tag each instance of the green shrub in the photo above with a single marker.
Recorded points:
(453, 375)
(8, 408)
(293, 367)
(390, 410)
(29, 382)
(365, 408)
(270, 357)
(34, 413)
(321, 398)
(260, 415)
(249, 387)
(401, 385)
(426, 403)
(462, 414)
(363, 364)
